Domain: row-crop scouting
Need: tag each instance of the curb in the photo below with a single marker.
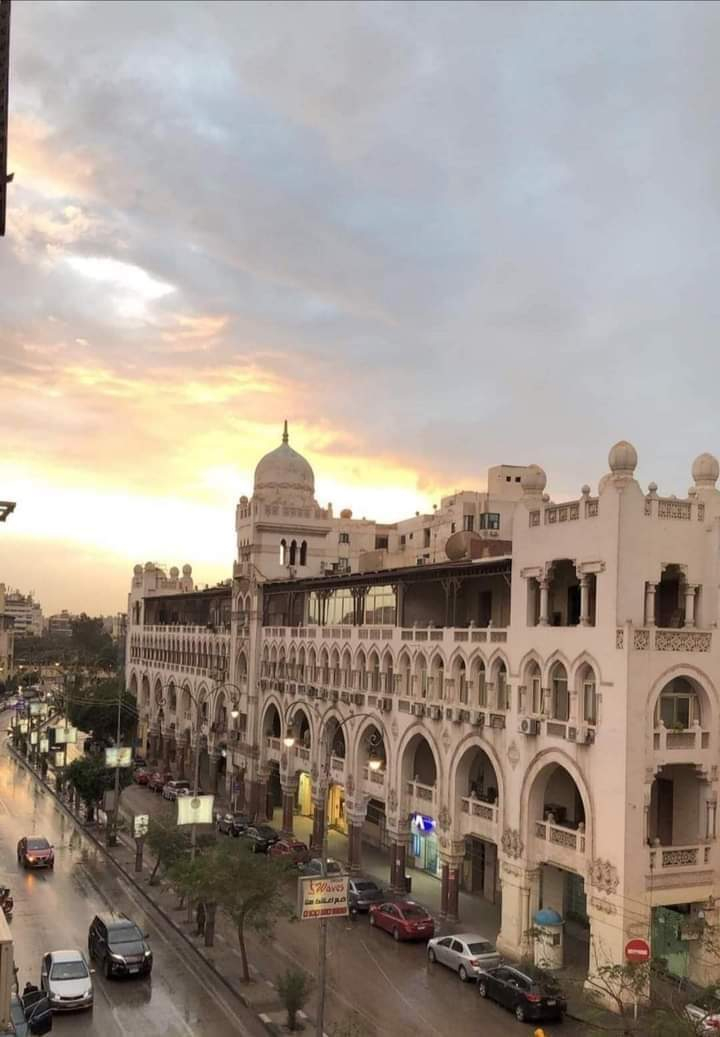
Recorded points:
(269, 1025)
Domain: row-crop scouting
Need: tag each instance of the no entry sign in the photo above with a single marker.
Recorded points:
(637, 952)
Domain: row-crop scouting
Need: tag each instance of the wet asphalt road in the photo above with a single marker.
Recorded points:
(54, 908)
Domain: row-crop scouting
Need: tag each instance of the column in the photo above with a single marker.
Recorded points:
(453, 893)
(584, 600)
(166, 750)
(452, 861)
(544, 583)
(355, 845)
(289, 791)
(153, 745)
(239, 789)
(520, 899)
(444, 880)
(262, 796)
(690, 589)
(180, 751)
(398, 853)
(212, 772)
(318, 829)
(650, 589)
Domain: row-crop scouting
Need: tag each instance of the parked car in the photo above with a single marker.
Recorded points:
(34, 851)
(29, 1014)
(290, 850)
(260, 837)
(142, 776)
(232, 824)
(173, 789)
(119, 946)
(404, 919)
(314, 867)
(158, 780)
(66, 979)
(704, 1012)
(468, 954)
(363, 893)
(139, 760)
(529, 992)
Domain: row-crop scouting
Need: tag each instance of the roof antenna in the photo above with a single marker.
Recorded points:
(285, 432)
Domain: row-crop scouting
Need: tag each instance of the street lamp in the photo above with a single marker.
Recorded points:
(374, 763)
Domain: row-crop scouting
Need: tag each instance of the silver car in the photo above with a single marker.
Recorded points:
(66, 978)
(468, 953)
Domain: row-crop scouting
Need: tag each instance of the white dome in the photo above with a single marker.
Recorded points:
(705, 470)
(623, 458)
(284, 471)
(533, 479)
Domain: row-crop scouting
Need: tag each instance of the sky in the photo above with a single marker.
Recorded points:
(433, 236)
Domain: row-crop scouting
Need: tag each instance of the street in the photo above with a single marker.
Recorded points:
(54, 908)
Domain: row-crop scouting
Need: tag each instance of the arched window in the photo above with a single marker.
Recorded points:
(303, 553)
(293, 552)
(588, 689)
(283, 552)
(560, 698)
(533, 687)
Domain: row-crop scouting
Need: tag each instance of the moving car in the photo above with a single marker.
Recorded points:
(65, 978)
(404, 919)
(290, 850)
(468, 954)
(363, 893)
(314, 867)
(529, 992)
(34, 851)
(29, 1014)
(260, 837)
(173, 789)
(158, 780)
(119, 946)
(233, 824)
(704, 1012)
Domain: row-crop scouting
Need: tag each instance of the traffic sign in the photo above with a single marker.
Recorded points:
(637, 951)
(141, 823)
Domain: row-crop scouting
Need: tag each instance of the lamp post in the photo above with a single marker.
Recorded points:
(374, 763)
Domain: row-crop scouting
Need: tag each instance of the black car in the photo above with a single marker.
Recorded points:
(119, 946)
(30, 1014)
(527, 991)
(363, 893)
(233, 824)
(260, 837)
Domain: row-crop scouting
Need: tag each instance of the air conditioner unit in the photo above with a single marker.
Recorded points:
(477, 718)
(418, 709)
(586, 735)
(572, 733)
(345, 696)
(492, 532)
(529, 726)
(436, 713)
(386, 705)
(456, 715)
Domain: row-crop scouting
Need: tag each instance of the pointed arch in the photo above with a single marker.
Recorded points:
(303, 553)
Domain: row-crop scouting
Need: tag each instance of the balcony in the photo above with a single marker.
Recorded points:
(658, 639)
(421, 798)
(479, 818)
(337, 768)
(675, 866)
(373, 782)
(273, 749)
(561, 846)
(689, 745)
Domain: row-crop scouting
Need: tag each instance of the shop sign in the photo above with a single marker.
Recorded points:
(195, 810)
(141, 823)
(421, 824)
(118, 756)
(322, 897)
(44, 745)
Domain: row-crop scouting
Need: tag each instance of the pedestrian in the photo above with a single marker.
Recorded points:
(30, 988)
(201, 918)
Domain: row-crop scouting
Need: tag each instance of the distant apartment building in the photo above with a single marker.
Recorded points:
(118, 627)
(7, 639)
(60, 625)
(25, 612)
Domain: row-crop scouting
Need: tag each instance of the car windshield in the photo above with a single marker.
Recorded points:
(366, 887)
(38, 844)
(414, 912)
(481, 947)
(265, 831)
(708, 1002)
(180, 784)
(69, 970)
(128, 934)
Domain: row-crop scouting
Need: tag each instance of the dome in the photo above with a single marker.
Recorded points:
(138, 569)
(187, 570)
(283, 470)
(623, 458)
(346, 513)
(533, 479)
(174, 572)
(705, 470)
(547, 916)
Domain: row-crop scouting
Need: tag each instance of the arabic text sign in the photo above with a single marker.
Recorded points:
(141, 823)
(322, 897)
(120, 756)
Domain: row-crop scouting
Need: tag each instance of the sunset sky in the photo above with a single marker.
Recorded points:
(434, 237)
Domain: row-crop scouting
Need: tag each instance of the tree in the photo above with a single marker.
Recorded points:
(294, 988)
(170, 843)
(90, 778)
(93, 708)
(91, 642)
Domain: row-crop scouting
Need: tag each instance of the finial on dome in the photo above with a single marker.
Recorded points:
(285, 432)
(706, 471)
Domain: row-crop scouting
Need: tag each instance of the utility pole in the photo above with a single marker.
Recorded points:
(112, 828)
(5, 177)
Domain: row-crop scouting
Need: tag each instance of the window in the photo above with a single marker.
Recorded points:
(452, 527)
(403, 539)
(426, 537)
(677, 710)
(517, 478)
(469, 523)
(293, 552)
(381, 543)
(380, 605)
(502, 689)
(344, 538)
(560, 697)
(283, 552)
(490, 520)
(303, 553)
(508, 478)
(536, 694)
(589, 702)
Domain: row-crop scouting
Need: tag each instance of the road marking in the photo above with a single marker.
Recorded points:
(383, 973)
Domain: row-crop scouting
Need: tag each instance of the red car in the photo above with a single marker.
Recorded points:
(35, 852)
(142, 776)
(290, 850)
(158, 780)
(405, 919)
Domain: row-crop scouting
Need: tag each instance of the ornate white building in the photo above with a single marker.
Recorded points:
(538, 680)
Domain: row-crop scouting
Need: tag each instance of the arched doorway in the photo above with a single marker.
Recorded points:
(476, 808)
(419, 782)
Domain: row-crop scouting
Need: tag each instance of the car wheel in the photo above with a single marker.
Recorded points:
(520, 1013)
(482, 989)
(107, 969)
(462, 973)
(396, 934)
(431, 956)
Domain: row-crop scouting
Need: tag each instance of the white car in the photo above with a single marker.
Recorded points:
(468, 954)
(704, 1013)
(66, 978)
(173, 789)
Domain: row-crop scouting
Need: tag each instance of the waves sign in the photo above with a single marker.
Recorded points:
(322, 897)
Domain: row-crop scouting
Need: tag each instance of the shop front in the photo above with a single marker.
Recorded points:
(423, 848)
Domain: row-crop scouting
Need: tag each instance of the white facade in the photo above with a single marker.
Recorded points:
(26, 613)
(7, 641)
(549, 698)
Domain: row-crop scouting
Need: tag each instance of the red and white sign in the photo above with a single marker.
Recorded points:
(637, 952)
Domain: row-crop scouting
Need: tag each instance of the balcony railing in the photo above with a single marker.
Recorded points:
(672, 859)
(559, 840)
(419, 793)
(691, 738)
(374, 777)
(337, 765)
